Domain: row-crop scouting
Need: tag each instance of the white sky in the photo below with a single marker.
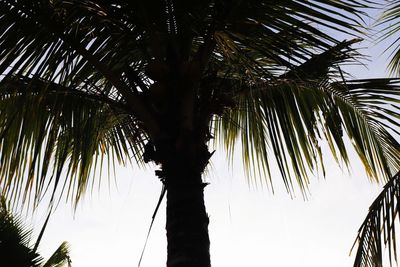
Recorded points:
(248, 227)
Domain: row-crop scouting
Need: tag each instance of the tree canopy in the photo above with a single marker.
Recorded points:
(85, 75)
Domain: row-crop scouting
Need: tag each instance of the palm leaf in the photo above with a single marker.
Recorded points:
(59, 127)
(14, 240)
(270, 38)
(379, 227)
(60, 257)
(287, 117)
(389, 22)
(15, 248)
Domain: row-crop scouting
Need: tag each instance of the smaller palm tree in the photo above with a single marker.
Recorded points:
(15, 249)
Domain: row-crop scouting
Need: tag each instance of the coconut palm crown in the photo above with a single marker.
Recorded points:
(91, 82)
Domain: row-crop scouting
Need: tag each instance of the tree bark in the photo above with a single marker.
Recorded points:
(187, 224)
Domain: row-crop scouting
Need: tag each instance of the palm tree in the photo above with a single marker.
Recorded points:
(15, 249)
(88, 82)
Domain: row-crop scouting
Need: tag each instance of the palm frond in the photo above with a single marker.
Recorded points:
(44, 124)
(373, 127)
(266, 39)
(285, 120)
(71, 43)
(14, 240)
(379, 228)
(15, 247)
(389, 21)
(74, 40)
(60, 257)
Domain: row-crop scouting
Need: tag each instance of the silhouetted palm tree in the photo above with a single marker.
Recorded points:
(15, 248)
(153, 81)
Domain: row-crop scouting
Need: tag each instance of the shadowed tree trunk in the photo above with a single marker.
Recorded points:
(187, 220)
(180, 149)
(187, 225)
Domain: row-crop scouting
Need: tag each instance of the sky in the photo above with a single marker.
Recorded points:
(249, 226)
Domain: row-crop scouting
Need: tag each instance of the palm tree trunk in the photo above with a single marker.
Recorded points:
(183, 160)
(187, 224)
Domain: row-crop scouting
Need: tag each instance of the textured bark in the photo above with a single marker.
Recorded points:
(187, 224)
